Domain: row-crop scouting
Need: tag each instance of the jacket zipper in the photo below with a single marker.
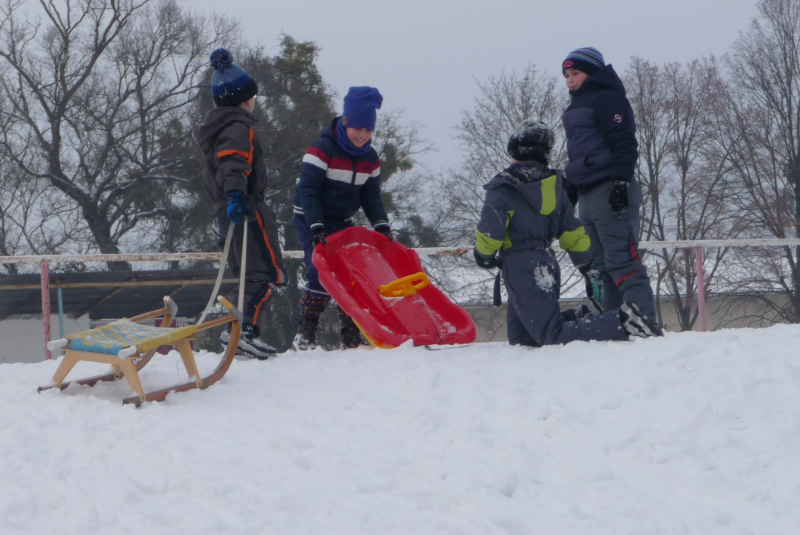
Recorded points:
(355, 171)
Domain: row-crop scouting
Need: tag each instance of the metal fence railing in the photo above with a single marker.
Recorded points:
(44, 262)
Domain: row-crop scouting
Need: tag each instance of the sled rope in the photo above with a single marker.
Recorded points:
(212, 300)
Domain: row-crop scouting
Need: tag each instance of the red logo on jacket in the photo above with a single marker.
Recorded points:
(618, 118)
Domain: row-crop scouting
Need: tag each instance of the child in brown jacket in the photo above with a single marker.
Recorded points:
(235, 180)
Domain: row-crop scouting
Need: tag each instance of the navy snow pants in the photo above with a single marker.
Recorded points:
(533, 282)
(306, 239)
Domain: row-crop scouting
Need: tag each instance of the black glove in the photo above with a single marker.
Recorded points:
(237, 207)
(618, 196)
(384, 229)
(594, 284)
(484, 261)
(572, 193)
(319, 235)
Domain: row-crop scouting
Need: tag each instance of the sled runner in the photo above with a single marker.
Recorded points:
(128, 346)
(381, 284)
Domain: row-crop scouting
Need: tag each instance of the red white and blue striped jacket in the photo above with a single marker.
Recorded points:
(333, 184)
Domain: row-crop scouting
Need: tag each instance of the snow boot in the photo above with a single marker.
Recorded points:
(250, 345)
(311, 308)
(589, 307)
(637, 323)
(350, 333)
(306, 337)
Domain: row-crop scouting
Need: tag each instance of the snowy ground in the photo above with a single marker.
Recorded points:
(690, 434)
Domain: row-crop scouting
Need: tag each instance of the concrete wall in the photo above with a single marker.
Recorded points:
(22, 339)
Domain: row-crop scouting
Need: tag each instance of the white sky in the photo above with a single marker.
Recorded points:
(424, 55)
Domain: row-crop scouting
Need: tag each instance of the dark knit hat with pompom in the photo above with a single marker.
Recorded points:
(533, 140)
(230, 85)
(587, 59)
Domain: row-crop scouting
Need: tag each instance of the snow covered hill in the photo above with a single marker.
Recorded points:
(695, 433)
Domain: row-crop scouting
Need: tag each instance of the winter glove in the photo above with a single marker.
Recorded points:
(618, 196)
(594, 284)
(237, 207)
(319, 235)
(384, 229)
(572, 193)
(484, 261)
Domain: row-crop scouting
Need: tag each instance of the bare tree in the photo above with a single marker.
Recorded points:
(760, 127)
(94, 88)
(682, 171)
(504, 101)
(406, 196)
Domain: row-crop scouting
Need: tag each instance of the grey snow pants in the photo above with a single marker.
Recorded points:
(264, 257)
(615, 246)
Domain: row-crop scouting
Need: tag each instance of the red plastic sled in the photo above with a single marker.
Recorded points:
(382, 285)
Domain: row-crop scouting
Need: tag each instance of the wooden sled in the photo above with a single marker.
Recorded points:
(128, 346)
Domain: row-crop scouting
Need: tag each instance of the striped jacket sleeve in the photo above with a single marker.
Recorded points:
(312, 180)
(371, 201)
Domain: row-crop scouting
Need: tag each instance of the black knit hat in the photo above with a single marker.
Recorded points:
(533, 140)
(587, 59)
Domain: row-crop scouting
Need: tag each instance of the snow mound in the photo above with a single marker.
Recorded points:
(694, 433)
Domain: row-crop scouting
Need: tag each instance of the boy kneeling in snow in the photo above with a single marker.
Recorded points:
(526, 207)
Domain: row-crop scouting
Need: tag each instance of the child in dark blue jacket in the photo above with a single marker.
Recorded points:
(340, 174)
(526, 208)
(602, 150)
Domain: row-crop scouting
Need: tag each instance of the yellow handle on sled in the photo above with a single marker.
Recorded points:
(405, 286)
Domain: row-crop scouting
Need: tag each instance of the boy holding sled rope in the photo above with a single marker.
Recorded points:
(235, 180)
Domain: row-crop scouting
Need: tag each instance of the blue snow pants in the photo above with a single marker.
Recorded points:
(533, 283)
(615, 245)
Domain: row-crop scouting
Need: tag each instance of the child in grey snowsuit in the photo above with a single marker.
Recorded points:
(526, 207)
(602, 149)
(235, 180)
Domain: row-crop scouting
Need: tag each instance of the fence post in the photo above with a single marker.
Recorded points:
(701, 289)
(46, 307)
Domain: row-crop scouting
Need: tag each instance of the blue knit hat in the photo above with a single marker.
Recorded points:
(588, 60)
(360, 104)
(230, 85)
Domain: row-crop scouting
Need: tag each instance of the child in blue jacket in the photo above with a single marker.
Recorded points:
(602, 149)
(340, 173)
(526, 207)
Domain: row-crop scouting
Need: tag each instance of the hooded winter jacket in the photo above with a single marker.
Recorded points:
(334, 185)
(600, 130)
(234, 159)
(527, 206)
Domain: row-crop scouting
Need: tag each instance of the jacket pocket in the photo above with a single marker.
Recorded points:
(598, 160)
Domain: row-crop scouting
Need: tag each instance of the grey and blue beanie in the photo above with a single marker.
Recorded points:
(587, 59)
(360, 104)
(230, 85)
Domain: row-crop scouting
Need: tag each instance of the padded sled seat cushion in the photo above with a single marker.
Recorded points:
(119, 334)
